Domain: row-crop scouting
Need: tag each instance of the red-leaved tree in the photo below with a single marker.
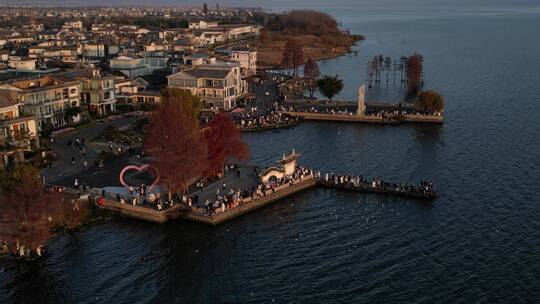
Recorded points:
(415, 69)
(224, 143)
(175, 142)
(28, 212)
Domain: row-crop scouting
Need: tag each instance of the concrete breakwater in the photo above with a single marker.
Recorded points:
(389, 190)
(375, 119)
(249, 204)
(360, 112)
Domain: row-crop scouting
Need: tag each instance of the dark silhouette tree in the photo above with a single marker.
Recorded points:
(431, 101)
(330, 86)
(311, 75)
(175, 141)
(224, 143)
(205, 9)
(387, 66)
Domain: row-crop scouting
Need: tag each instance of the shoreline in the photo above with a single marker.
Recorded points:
(321, 50)
(322, 58)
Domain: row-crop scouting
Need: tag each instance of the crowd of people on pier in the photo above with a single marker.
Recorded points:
(399, 111)
(142, 196)
(384, 113)
(272, 119)
(227, 199)
(325, 110)
(359, 182)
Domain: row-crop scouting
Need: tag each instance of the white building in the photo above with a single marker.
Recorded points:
(134, 66)
(73, 25)
(22, 64)
(247, 59)
(47, 99)
(202, 24)
(219, 86)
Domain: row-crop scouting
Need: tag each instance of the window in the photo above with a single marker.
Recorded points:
(191, 83)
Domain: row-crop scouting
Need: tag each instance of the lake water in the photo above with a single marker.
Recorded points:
(478, 243)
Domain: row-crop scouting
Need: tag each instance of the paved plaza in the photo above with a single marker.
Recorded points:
(247, 179)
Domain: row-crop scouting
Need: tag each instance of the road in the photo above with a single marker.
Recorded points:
(63, 167)
(262, 102)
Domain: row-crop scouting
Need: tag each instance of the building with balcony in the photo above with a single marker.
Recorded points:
(18, 133)
(64, 53)
(73, 25)
(219, 85)
(134, 66)
(98, 93)
(94, 50)
(247, 59)
(97, 90)
(46, 98)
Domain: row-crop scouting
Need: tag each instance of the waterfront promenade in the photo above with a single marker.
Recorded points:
(199, 211)
(389, 118)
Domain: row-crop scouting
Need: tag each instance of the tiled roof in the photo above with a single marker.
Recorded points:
(208, 73)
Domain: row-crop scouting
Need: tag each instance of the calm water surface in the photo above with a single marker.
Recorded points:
(478, 243)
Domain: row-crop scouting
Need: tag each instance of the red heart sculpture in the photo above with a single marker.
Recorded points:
(140, 169)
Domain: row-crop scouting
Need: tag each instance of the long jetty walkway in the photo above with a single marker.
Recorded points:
(394, 190)
(311, 179)
(360, 112)
(391, 119)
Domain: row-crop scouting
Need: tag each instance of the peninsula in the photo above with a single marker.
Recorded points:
(316, 33)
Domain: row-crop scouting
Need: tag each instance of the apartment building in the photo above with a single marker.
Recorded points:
(73, 25)
(18, 133)
(97, 91)
(134, 66)
(48, 99)
(247, 59)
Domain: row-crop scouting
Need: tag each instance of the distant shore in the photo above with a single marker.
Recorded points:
(317, 34)
(269, 57)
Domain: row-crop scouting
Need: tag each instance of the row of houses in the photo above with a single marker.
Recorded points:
(219, 84)
(56, 100)
(52, 79)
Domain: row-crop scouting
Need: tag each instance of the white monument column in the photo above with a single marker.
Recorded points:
(361, 101)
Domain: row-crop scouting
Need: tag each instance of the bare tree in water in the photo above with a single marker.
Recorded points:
(311, 75)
